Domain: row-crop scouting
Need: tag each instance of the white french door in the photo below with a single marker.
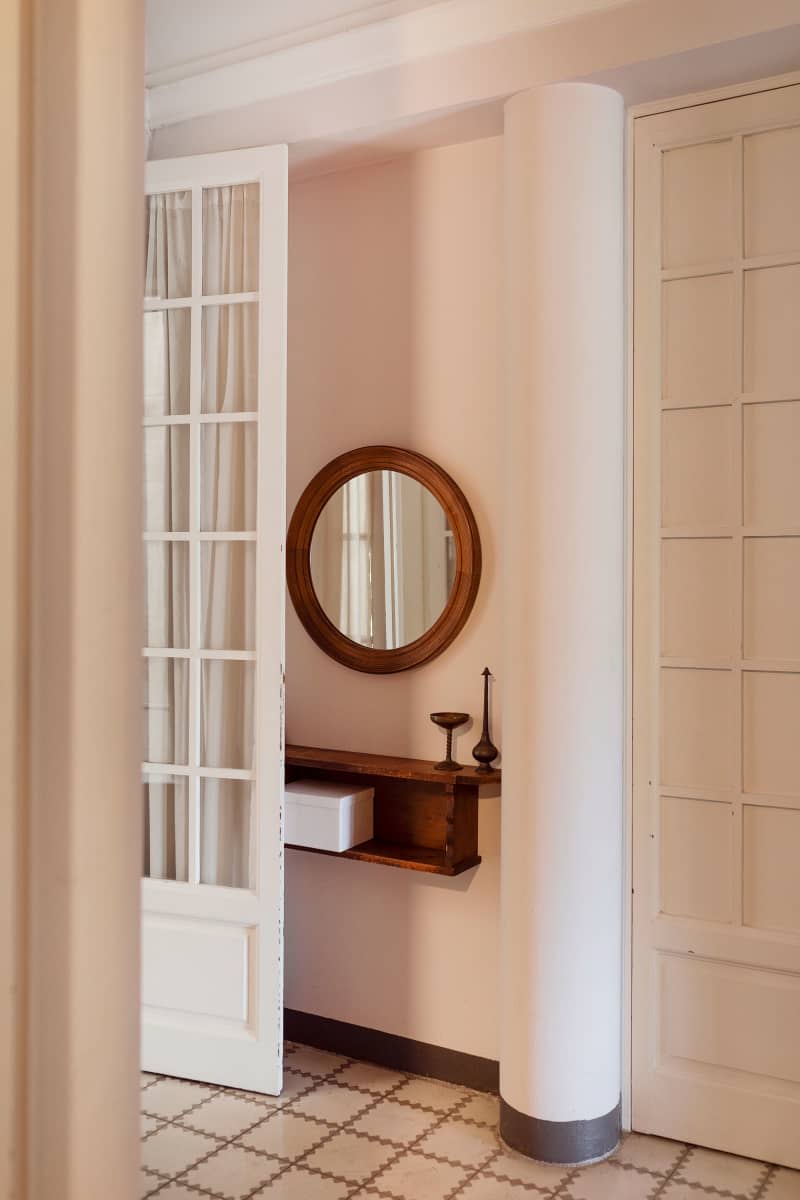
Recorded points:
(214, 438)
(716, 747)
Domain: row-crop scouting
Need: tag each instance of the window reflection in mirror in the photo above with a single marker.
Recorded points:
(383, 559)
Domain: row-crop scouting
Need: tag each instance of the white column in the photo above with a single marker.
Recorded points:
(563, 596)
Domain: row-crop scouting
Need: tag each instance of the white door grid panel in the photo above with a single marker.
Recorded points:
(716, 734)
(214, 421)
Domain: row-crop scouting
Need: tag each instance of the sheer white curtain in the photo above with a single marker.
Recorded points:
(228, 502)
(223, 612)
(380, 559)
(347, 560)
(362, 614)
(168, 259)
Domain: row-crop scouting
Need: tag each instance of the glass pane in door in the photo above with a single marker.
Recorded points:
(166, 710)
(168, 246)
(225, 839)
(166, 827)
(231, 217)
(166, 478)
(230, 358)
(166, 598)
(167, 336)
(227, 717)
(228, 584)
(228, 473)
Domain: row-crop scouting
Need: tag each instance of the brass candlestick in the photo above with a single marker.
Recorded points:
(449, 721)
(485, 752)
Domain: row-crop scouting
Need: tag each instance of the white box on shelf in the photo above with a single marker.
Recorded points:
(327, 816)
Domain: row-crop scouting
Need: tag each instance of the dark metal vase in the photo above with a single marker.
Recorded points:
(485, 752)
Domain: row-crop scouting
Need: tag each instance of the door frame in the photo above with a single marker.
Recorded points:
(637, 112)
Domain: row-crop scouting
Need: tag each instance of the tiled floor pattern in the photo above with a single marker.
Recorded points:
(343, 1130)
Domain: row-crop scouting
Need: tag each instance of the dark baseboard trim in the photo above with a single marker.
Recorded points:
(564, 1142)
(390, 1050)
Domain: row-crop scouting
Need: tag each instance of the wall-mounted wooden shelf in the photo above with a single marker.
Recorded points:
(425, 820)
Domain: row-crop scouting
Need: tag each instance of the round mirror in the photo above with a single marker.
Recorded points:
(383, 559)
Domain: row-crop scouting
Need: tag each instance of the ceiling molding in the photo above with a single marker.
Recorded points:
(368, 13)
(280, 67)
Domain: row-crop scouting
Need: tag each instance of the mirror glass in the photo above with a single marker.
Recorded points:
(383, 559)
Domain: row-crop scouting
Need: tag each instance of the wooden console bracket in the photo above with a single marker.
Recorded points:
(425, 820)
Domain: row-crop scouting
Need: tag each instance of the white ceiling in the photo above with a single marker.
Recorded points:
(187, 37)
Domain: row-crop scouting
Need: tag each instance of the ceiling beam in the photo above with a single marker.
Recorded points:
(437, 30)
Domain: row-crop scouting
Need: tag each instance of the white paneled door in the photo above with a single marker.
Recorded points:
(214, 421)
(716, 747)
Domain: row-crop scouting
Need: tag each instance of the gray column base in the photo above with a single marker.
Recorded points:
(567, 1143)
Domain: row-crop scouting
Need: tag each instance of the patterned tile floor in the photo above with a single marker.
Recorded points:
(343, 1130)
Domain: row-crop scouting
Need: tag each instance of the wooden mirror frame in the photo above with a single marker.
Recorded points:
(298, 559)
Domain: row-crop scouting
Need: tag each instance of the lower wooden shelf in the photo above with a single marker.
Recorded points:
(412, 858)
(424, 819)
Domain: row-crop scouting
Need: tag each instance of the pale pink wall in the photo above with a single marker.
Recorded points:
(393, 330)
